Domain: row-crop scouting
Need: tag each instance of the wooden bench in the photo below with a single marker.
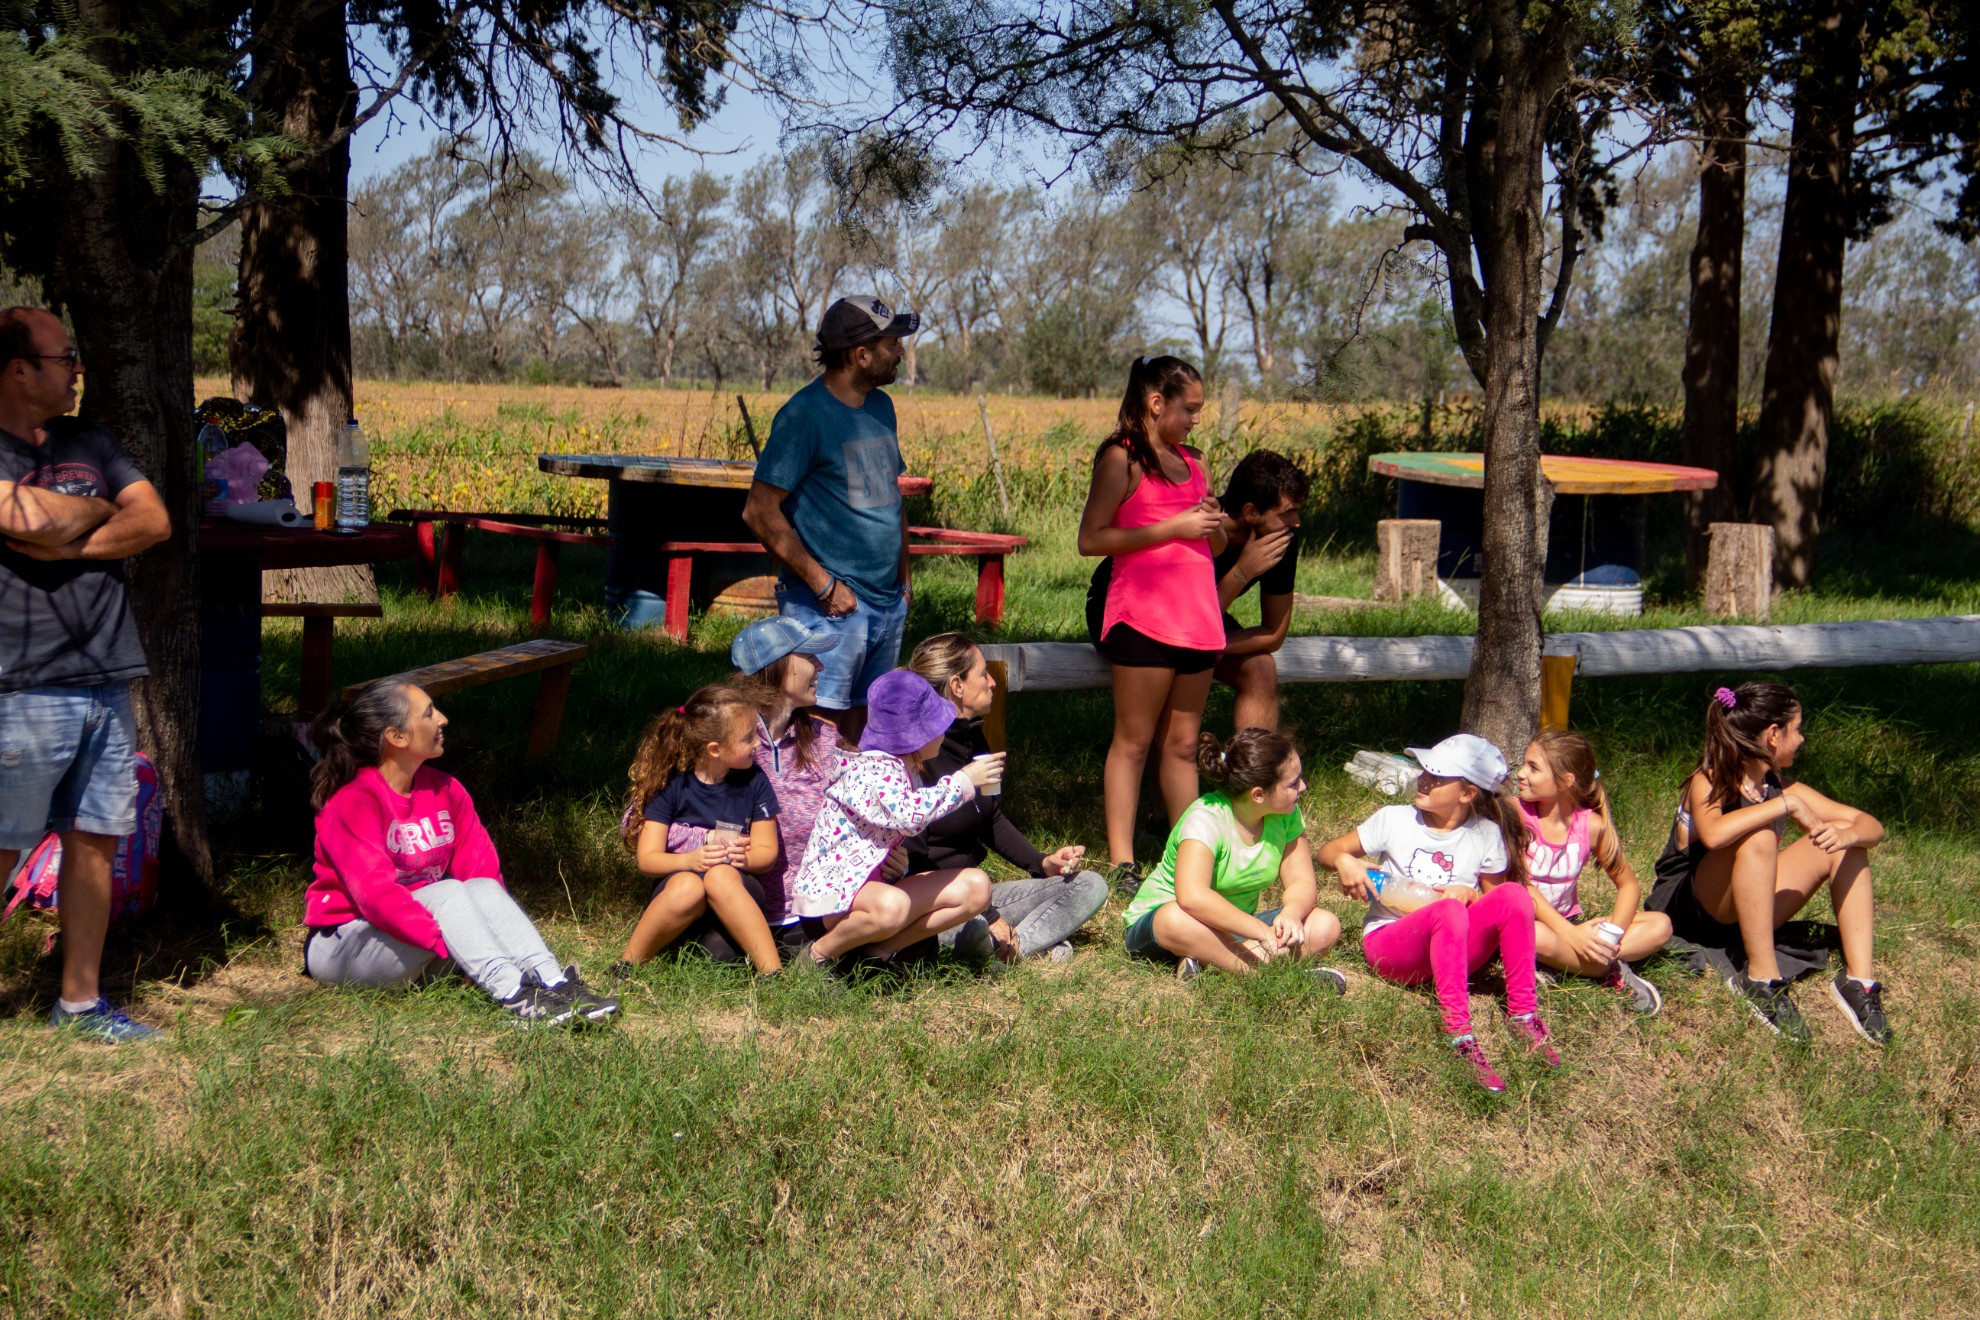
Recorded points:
(988, 548)
(319, 629)
(553, 660)
(441, 568)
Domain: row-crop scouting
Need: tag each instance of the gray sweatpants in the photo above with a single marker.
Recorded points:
(1041, 913)
(489, 938)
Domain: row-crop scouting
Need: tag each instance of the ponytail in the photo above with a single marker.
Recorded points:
(351, 737)
(1164, 375)
(672, 744)
(1254, 758)
(1503, 810)
(1735, 721)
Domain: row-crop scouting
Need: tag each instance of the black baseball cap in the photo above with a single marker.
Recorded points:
(862, 319)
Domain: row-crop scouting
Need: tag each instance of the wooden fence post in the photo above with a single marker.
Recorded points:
(993, 719)
(1739, 572)
(990, 443)
(1406, 557)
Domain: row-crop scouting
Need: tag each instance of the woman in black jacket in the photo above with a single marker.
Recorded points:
(1025, 916)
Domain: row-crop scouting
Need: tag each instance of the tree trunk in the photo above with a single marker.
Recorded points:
(1711, 345)
(128, 289)
(291, 347)
(1502, 691)
(1798, 394)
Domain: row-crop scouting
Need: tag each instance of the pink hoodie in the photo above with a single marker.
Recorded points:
(374, 847)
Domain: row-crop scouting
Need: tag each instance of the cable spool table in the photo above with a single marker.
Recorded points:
(1600, 506)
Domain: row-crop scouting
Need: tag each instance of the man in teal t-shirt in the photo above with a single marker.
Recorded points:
(826, 503)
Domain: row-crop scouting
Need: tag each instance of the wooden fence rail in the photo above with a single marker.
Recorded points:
(1953, 639)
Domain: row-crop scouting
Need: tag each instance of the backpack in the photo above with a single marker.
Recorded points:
(133, 870)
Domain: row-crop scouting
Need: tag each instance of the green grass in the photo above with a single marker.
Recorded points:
(1087, 1139)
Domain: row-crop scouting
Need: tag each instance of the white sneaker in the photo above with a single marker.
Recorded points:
(1062, 952)
(1187, 969)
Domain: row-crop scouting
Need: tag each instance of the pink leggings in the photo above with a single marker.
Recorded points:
(1448, 941)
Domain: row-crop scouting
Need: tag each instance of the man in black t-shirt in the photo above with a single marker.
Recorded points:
(72, 507)
(1261, 526)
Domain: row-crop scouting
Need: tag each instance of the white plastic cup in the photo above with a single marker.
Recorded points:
(1610, 934)
(996, 784)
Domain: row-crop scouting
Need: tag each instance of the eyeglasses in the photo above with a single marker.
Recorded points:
(71, 358)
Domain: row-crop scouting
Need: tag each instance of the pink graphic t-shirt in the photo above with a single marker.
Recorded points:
(374, 846)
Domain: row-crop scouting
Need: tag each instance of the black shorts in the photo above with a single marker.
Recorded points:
(1129, 647)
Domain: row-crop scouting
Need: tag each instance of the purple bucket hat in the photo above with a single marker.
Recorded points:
(904, 714)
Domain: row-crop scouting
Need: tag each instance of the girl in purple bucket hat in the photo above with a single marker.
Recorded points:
(874, 804)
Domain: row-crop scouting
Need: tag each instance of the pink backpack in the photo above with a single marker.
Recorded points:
(133, 871)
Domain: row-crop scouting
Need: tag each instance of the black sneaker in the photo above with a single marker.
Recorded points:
(1863, 1006)
(538, 1005)
(590, 1005)
(1125, 878)
(1770, 1003)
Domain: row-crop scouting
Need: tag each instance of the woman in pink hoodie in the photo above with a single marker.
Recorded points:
(406, 876)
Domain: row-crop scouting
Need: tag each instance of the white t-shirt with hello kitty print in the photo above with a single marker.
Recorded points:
(1396, 840)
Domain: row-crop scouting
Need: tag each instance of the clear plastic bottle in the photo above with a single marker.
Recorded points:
(353, 480)
(212, 442)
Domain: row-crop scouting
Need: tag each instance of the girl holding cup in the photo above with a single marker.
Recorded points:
(1566, 812)
(702, 820)
(875, 803)
(1025, 916)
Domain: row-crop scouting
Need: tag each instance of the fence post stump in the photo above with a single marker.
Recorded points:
(1406, 557)
(1739, 572)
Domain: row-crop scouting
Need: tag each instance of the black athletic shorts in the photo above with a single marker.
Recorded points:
(1128, 646)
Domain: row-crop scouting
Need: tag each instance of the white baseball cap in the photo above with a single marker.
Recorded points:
(1464, 756)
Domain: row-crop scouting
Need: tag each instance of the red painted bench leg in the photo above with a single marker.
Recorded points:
(424, 563)
(680, 580)
(545, 586)
(453, 572)
(990, 590)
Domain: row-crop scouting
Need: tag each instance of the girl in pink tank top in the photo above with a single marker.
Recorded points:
(1157, 620)
(1566, 811)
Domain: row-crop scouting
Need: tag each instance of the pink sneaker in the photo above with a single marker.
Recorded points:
(1535, 1033)
(1481, 1067)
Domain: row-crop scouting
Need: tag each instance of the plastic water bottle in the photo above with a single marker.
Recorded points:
(353, 480)
(212, 443)
(1376, 879)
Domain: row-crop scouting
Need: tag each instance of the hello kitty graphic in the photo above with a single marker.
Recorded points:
(1431, 869)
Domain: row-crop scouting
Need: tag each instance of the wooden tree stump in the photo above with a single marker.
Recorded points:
(1406, 557)
(1739, 574)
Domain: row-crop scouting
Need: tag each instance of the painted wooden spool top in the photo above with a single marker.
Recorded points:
(1571, 476)
(676, 470)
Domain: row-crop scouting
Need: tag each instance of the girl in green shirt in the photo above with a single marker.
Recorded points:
(1198, 908)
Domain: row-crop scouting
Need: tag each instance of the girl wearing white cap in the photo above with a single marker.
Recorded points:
(1438, 909)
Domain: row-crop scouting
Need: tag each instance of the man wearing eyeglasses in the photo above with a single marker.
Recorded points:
(73, 507)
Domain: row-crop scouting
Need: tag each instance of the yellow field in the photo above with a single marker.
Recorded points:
(439, 445)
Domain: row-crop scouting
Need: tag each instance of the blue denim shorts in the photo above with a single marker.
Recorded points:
(869, 644)
(66, 763)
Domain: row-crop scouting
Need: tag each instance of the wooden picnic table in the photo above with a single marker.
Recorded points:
(232, 558)
(654, 499)
(1599, 506)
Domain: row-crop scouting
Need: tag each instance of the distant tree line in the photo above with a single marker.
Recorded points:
(463, 270)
